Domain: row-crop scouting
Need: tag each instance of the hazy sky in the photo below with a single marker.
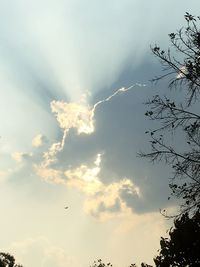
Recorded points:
(73, 77)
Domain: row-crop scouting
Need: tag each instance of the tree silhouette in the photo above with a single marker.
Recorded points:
(181, 64)
(100, 263)
(7, 260)
(183, 245)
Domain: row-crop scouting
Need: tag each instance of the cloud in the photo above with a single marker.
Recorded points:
(49, 174)
(85, 179)
(102, 200)
(20, 156)
(39, 140)
(73, 115)
(108, 202)
(50, 156)
(81, 119)
(96, 154)
(101, 197)
(76, 116)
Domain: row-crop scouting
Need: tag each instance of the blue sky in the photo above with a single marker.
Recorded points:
(73, 77)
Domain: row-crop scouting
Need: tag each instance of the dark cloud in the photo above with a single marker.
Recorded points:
(120, 127)
(116, 207)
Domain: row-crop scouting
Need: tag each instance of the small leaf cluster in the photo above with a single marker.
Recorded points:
(7, 260)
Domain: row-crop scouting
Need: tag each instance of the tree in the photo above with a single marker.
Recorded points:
(7, 260)
(182, 246)
(100, 263)
(181, 65)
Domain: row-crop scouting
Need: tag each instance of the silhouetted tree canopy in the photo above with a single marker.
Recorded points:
(181, 64)
(7, 260)
(182, 248)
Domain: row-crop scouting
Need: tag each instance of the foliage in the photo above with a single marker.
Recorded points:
(182, 246)
(7, 260)
(183, 70)
(100, 263)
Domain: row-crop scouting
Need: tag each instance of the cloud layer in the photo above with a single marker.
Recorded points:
(96, 154)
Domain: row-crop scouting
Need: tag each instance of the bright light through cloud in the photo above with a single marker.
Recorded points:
(76, 116)
(79, 116)
(102, 201)
(101, 198)
(73, 115)
(38, 140)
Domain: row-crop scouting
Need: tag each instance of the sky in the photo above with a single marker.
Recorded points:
(73, 79)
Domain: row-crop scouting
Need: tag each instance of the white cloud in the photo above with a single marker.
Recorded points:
(20, 156)
(108, 202)
(50, 156)
(85, 179)
(77, 116)
(49, 174)
(108, 192)
(38, 140)
(102, 200)
(73, 115)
